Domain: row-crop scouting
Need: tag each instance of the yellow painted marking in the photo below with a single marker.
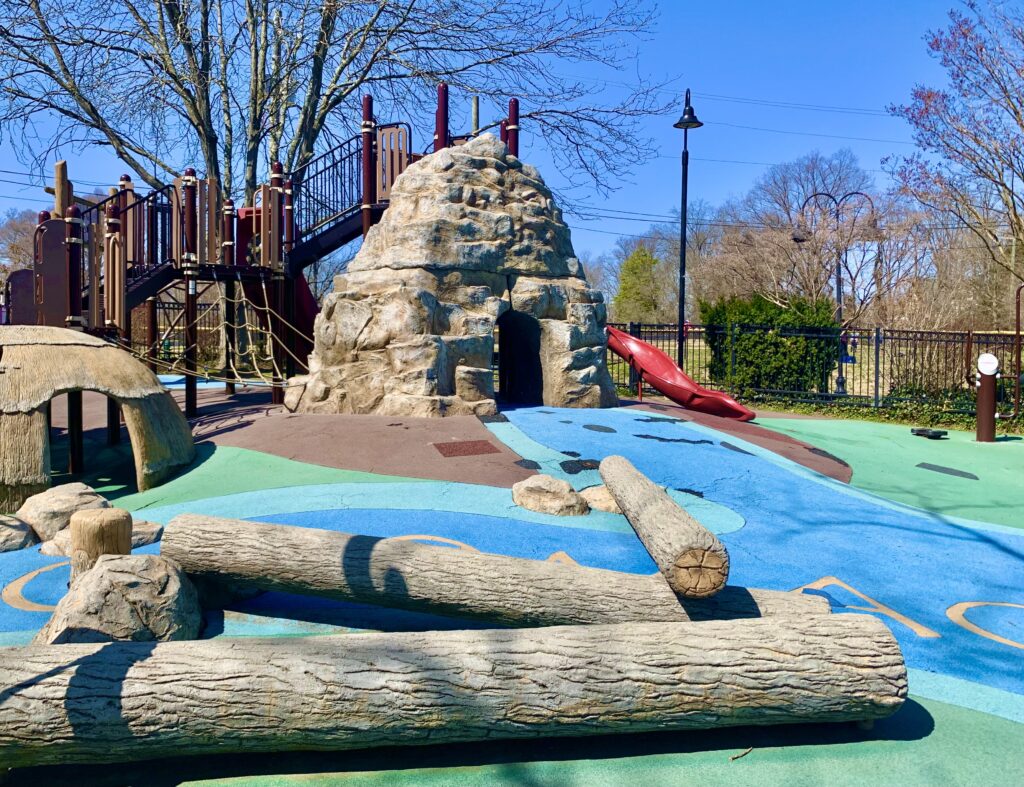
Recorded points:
(438, 539)
(12, 593)
(957, 613)
(561, 557)
(917, 628)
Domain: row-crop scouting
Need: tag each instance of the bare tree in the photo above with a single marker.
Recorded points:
(757, 252)
(237, 83)
(16, 232)
(971, 131)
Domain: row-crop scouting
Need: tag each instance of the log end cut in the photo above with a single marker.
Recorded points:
(698, 573)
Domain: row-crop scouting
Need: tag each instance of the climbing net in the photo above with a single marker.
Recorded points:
(252, 343)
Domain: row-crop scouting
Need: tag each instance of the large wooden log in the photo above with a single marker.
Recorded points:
(408, 575)
(119, 701)
(692, 559)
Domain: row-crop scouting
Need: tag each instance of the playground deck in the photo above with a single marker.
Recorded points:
(840, 508)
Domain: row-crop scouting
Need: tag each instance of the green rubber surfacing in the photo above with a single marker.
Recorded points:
(885, 458)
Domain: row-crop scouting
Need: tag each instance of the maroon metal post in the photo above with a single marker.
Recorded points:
(503, 131)
(152, 336)
(441, 118)
(190, 269)
(73, 255)
(369, 163)
(276, 329)
(113, 225)
(73, 251)
(985, 380)
(512, 127)
(289, 217)
(227, 232)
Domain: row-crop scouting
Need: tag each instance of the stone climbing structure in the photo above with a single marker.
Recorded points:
(472, 239)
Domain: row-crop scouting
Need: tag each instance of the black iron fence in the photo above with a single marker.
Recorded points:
(873, 367)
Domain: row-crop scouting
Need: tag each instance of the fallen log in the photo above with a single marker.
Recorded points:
(409, 575)
(693, 561)
(120, 701)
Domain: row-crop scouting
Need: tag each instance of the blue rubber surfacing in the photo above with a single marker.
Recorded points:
(801, 527)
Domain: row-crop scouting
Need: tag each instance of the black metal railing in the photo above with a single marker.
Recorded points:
(145, 223)
(328, 189)
(872, 367)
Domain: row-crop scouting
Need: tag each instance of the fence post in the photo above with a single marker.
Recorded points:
(633, 329)
(878, 363)
(732, 354)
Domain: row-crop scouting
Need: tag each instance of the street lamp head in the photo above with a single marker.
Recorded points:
(689, 117)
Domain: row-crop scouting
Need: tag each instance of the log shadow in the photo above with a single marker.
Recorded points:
(511, 758)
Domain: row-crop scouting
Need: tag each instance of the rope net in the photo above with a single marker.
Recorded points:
(248, 335)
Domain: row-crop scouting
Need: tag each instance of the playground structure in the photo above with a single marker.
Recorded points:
(97, 264)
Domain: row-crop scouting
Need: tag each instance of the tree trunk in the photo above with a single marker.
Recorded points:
(123, 700)
(95, 532)
(692, 559)
(440, 580)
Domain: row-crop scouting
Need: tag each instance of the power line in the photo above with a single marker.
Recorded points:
(764, 102)
(807, 133)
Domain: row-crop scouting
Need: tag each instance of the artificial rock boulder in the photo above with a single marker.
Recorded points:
(49, 512)
(138, 598)
(15, 534)
(471, 239)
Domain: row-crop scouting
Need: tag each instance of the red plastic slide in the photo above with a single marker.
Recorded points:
(660, 372)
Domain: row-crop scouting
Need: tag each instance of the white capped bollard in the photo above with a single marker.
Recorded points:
(985, 382)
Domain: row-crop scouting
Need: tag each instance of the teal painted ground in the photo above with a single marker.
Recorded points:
(785, 527)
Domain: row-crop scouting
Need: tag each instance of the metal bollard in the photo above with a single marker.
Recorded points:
(985, 382)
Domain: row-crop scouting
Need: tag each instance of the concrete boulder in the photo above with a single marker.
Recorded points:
(471, 243)
(49, 512)
(548, 495)
(598, 497)
(138, 598)
(15, 534)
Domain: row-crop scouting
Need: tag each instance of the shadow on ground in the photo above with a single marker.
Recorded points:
(912, 722)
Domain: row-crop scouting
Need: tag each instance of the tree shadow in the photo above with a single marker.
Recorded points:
(513, 757)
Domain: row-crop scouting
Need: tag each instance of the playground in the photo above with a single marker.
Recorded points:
(461, 355)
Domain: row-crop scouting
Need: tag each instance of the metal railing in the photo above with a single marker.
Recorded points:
(328, 188)
(879, 367)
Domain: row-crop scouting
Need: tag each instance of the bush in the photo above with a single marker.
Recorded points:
(758, 346)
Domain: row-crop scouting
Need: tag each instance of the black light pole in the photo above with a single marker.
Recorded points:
(799, 236)
(686, 122)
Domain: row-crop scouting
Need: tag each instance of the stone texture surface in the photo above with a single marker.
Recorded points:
(549, 495)
(50, 512)
(140, 598)
(600, 498)
(471, 234)
(15, 534)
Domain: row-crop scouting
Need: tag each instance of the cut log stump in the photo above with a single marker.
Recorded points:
(693, 561)
(95, 532)
(459, 583)
(121, 701)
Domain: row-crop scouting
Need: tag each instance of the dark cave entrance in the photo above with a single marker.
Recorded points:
(517, 343)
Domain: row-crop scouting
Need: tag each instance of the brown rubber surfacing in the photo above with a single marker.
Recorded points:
(466, 448)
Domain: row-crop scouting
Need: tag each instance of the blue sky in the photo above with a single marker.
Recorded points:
(861, 55)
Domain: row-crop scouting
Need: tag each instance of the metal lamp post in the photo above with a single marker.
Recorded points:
(800, 236)
(686, 122)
